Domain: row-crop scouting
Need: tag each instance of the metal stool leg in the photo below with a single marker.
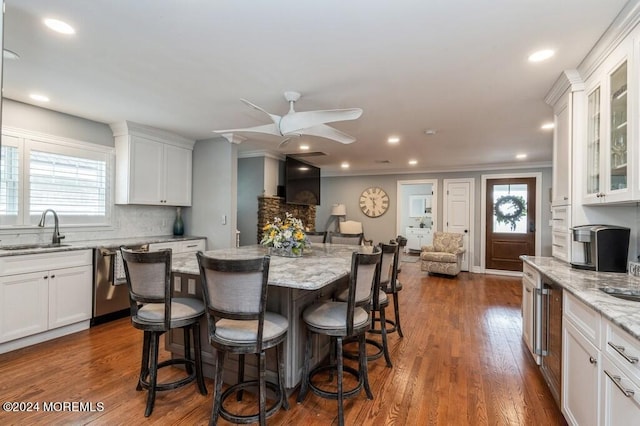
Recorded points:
(153, 373)
(217, 393)
(339, 365)
(144, 367)
(396, 309)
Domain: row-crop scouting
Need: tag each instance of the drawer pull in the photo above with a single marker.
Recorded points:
(621, 350)
(192, 245)
(616, 381)
(557, 245)
(528, 290)
(529, 274)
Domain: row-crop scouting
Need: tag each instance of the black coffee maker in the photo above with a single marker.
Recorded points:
(606, 247)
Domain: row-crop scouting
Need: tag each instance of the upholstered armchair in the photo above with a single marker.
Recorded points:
(444, 256)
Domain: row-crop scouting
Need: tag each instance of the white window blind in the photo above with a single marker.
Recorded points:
(9, 185)
(63, 176)
(69, 185)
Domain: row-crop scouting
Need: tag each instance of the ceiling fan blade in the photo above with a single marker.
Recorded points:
(274, 118)
(296, 121)
(270, 129)
(328, 132)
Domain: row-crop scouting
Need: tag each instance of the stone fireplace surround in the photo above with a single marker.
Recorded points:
(270, 207)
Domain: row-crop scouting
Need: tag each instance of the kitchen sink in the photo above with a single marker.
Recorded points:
(32, 246)
(620, 293)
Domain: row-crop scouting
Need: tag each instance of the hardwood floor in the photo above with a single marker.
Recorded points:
(461, 362)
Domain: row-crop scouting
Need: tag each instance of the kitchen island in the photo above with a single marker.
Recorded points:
(294, 283)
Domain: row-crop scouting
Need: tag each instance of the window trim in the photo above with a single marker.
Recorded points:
(61, 144)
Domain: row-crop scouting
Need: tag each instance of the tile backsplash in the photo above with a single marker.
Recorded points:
(127, 221)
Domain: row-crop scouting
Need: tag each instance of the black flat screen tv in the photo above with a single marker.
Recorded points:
(302, 182)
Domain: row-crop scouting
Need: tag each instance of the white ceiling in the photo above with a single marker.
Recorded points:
(459, 67)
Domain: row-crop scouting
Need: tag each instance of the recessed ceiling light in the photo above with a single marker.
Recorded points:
(393, 139)
(430, 132)
(344, 165)
(547, 126)
(59, 26)
(413, 162)
(521, 156)
(38, 97)
(541, 55)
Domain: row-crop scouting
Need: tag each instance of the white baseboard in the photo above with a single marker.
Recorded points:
(43, 337)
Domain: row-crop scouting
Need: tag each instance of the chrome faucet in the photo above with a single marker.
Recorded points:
(56, 231)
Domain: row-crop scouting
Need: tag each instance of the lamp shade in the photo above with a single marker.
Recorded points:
(338, 210)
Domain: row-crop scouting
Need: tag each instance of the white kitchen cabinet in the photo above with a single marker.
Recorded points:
(24, 300)
(531, 282)
(609, 157)
(70, 293)
(580, 376)
(153, 167)
(186, 246)
(418, 237)
(44, 292)
(567, 99)
(620, 397)
(561, 235)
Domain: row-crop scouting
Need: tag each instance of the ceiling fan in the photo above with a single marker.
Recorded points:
(294, 123)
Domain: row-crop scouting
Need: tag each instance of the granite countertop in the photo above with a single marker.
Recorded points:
(321, 265)
(91, 244)
(585, 285)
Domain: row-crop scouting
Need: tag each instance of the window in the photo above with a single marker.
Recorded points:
(70, 178)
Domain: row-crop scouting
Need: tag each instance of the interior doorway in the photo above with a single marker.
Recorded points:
(511, 215)
(417, 212)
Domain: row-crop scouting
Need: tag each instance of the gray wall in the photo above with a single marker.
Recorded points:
(250, 185)
(29, 117)
(215, 170)
(347, 190)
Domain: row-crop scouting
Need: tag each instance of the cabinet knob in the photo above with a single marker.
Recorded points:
(592, 360)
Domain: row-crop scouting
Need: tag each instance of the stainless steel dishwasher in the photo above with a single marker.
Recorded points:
(110, 293)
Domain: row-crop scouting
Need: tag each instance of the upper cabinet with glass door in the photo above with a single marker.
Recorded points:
(608, 153)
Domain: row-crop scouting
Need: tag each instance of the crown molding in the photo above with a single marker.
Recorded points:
(126, 128)
(476, 168)
(568, 79)
(619, 29)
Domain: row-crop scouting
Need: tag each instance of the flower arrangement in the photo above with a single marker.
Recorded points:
(287, 236)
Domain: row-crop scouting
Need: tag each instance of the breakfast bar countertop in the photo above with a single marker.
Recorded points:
(320, 265)
(585, 285)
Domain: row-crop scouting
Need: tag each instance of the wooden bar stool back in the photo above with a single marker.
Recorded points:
(235, 295)
(155, 311)
(340, 321)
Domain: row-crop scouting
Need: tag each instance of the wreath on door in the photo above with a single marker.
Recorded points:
(509, 209)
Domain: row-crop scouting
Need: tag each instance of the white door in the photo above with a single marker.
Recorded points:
(457, 213)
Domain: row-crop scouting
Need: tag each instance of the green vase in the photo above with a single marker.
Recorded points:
(178, 224)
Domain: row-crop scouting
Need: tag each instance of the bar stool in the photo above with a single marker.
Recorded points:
(380, 303)
(391, 286)
(235, 294)
(339, 321)
(155, 311)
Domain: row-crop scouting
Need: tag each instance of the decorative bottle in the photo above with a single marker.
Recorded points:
(178, 224)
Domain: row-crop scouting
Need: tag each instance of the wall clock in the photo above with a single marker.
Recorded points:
(374, 201)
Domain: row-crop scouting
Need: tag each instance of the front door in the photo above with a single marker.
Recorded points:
(511, 222)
